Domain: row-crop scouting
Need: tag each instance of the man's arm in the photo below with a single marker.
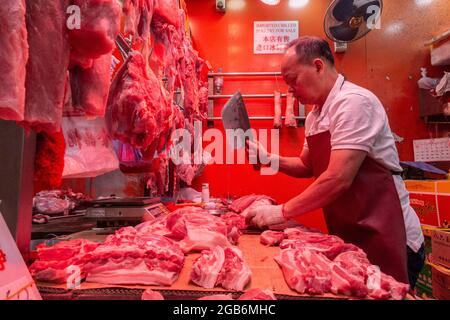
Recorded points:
(343, 167)
(296, 167)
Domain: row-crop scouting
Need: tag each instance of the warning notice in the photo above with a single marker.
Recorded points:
(271, 37)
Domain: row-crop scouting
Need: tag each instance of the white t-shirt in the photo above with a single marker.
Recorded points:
(357, 120)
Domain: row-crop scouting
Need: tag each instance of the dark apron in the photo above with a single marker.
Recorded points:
(369, 214)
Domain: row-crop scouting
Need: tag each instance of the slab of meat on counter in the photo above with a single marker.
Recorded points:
(13, 59)
(243, 204)
(149, 294)
(100, 22)
(138, 110)
(221, 267)
(258, 294)
(329, 245)
(271, 238)
(47, 64)
(350, 273)
(53, 261)
(194, 228)
(90, 87)
(132, 258)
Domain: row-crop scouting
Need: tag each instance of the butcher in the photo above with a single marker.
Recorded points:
(350, 151)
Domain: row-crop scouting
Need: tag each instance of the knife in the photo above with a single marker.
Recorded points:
(235, 116)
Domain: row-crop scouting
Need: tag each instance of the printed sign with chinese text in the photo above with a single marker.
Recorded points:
(271, 37)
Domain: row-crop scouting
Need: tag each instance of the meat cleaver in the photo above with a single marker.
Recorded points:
(235, 116)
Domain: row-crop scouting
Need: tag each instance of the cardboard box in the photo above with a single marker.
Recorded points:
(441, 283)
(431, 201)
(424, 284)
(441, 247)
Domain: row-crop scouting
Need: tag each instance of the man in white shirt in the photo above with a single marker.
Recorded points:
(350, 150)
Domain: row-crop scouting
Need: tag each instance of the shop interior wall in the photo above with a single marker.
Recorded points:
(387, 61)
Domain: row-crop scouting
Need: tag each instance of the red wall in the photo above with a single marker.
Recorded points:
(387, 62)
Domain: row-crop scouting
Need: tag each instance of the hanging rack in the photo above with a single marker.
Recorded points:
(213, 97)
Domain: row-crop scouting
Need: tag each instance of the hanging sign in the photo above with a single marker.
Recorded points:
(16, 282)
(271, 37)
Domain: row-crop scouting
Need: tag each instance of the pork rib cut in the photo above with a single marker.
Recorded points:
(221, 267)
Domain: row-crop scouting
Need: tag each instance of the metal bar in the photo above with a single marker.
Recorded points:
(247, 96)
(244, 74)
(257, 118)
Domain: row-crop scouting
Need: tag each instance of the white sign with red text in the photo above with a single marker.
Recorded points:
(16, 282)
(271, 37)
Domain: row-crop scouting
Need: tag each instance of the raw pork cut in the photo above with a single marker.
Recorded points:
(258, 294)
(53, 261)
(138, 17)
(207, 267)
(221, 267)
(149, 294)
(351, 274)
(329, 245)
(129, 257)
(355, 265)
(305, 271)
(90, 87)
(100, 22)
(167, 11)
(290, 115)
(13, 59)
(138, 110)
(193, 227)
(47, 64)
(271, 238)
(235, 224)
(277, 119)
(244, 204)
(241, 204)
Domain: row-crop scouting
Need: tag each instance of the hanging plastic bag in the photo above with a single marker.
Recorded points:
(89, 151)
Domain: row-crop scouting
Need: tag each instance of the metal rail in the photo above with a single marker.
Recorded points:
(258, 118)
(244, 74)
(248, 96)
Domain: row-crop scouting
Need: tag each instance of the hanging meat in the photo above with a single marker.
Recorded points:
(47, 64)
(277, 120)
(290, 115)
(13, 59)
(90, 87)
(138, 108)
(167, 11)
(100, 22)
(138, 17)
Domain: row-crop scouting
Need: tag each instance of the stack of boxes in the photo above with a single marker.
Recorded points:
(441, 264)
(431, 201)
